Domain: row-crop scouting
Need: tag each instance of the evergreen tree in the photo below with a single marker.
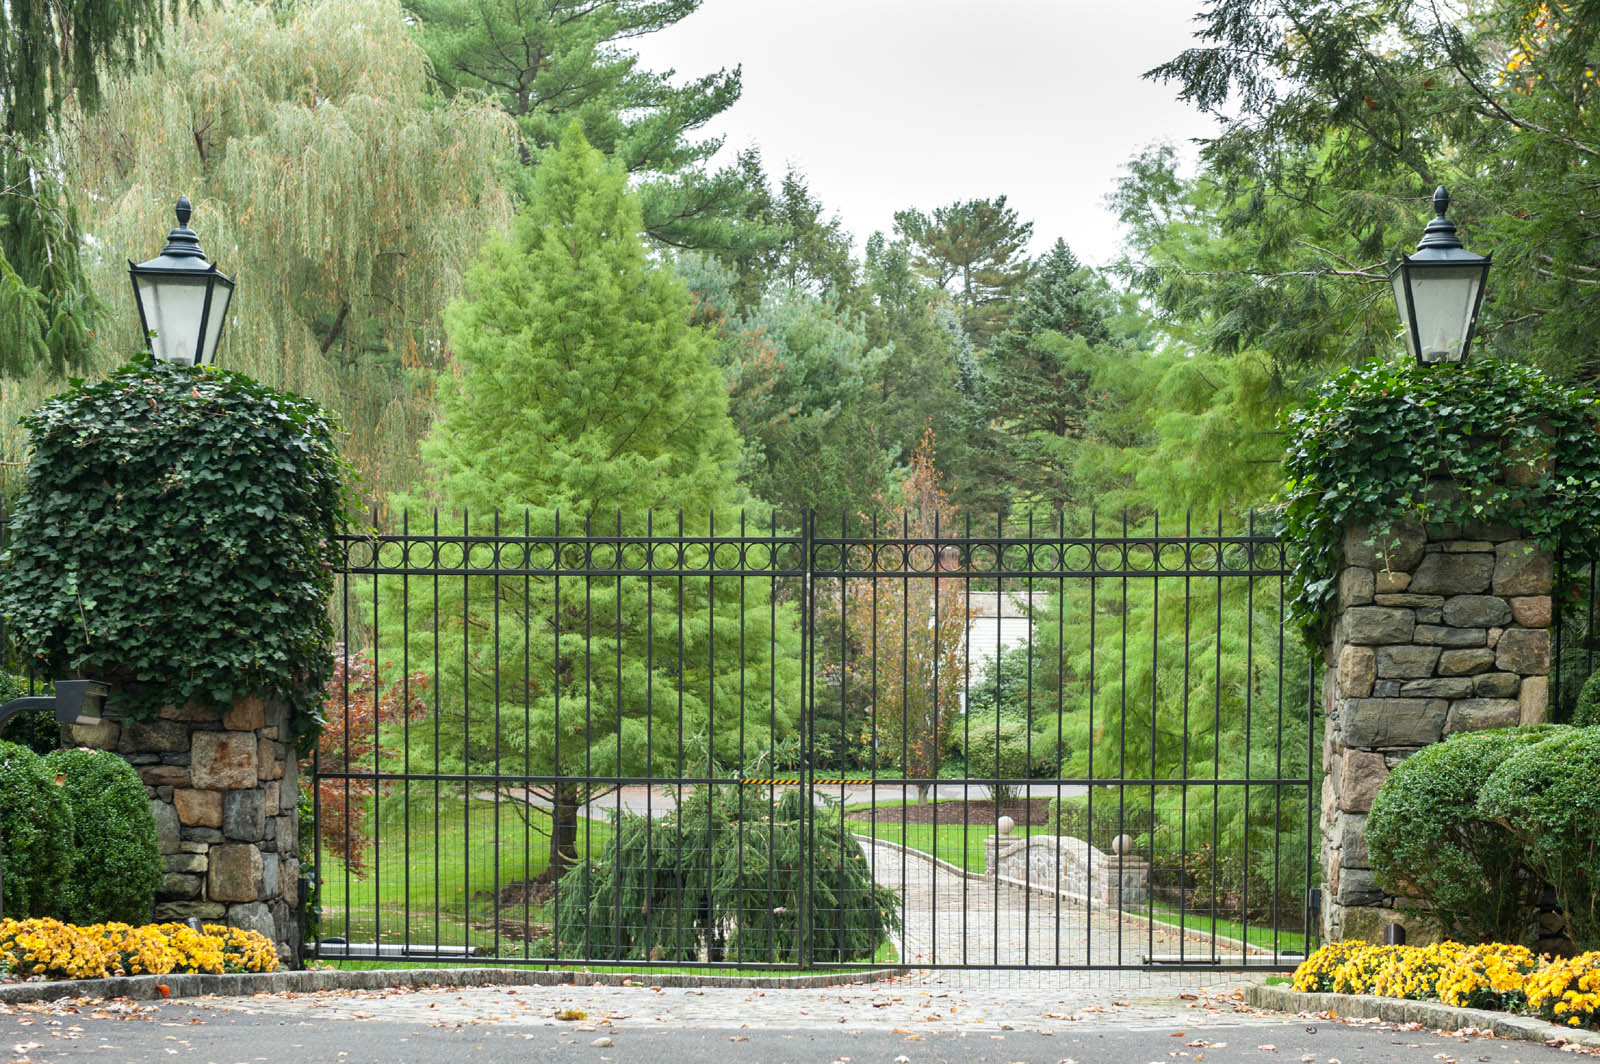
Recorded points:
(1040, 371)
(549, 63)
(801, 384)
(923, 346)
(586, 401)
(978, 246)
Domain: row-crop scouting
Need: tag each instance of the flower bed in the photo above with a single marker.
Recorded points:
(50, 949)
(1564, 990)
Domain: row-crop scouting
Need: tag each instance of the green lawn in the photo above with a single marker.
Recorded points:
(960, 844)
(435, 879)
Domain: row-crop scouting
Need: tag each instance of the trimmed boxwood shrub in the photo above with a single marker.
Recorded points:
(1426, 837)
(36, 827)
(1548, 795)
(116, 866)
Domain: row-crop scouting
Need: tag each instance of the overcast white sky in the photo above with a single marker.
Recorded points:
(887, 104)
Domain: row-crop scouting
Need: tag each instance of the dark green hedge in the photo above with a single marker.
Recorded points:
(174, 536)
(1547, 794)
(1426, 837)
(36, 829)
(116, 864)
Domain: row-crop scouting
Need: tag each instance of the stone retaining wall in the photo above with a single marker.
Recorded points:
(223, 789)
(1069, 864)
(1434, 633)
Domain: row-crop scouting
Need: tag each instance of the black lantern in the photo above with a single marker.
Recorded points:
(183, 299)
(1437, 291)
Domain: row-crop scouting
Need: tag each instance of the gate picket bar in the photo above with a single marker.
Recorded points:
(631, 743)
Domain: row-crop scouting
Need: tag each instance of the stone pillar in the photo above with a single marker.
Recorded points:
(223, 789)
(1435, 632)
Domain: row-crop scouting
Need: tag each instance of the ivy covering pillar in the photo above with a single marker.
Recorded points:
(1426, 505)
(174, 539)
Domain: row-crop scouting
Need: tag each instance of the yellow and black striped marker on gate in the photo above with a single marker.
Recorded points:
(796, 781)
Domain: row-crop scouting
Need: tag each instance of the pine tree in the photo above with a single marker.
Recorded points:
(587, 403)
(1040, 371)
(978, 247)
(551, 62)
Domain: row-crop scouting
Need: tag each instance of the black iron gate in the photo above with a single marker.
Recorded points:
(622, 743)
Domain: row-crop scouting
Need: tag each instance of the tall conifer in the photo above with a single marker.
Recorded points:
(587, 403)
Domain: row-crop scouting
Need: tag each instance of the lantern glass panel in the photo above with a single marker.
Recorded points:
(1444, 301)
(220, 297)
(173, 306)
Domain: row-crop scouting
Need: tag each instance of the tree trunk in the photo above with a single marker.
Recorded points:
(563, 831)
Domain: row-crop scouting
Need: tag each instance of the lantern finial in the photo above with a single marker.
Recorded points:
(1441, 231)
(182, 241)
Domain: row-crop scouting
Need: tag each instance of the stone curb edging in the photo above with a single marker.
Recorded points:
(146, 987)
(1430, 1014)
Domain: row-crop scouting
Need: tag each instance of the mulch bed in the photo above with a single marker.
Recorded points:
(977, 812)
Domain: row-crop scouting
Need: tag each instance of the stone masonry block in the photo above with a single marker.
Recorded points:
(1410, 601)
(153, 736)
(1466, 662)
(1496, 684)
(1521, 568)
(252, 916)
(1525, 651)
(1406, 662)
(1532, 611)
(224, 760)
(1356, 587)
(1392, 583)
(1476, 714)
(1438, 687)
(1377, 625)
(244, 815)
(1439, 636)
(1476, 611)
(1398, 548)
(168, 830)
(234, 873)
(1353, 841)
(101, 735)
(1453, 574)
(1387, 723)
(195, 807)
(178, 885)
(164, 775)
(1360, 775)
(1358, 667)
(247, 714)
(1534, 700)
